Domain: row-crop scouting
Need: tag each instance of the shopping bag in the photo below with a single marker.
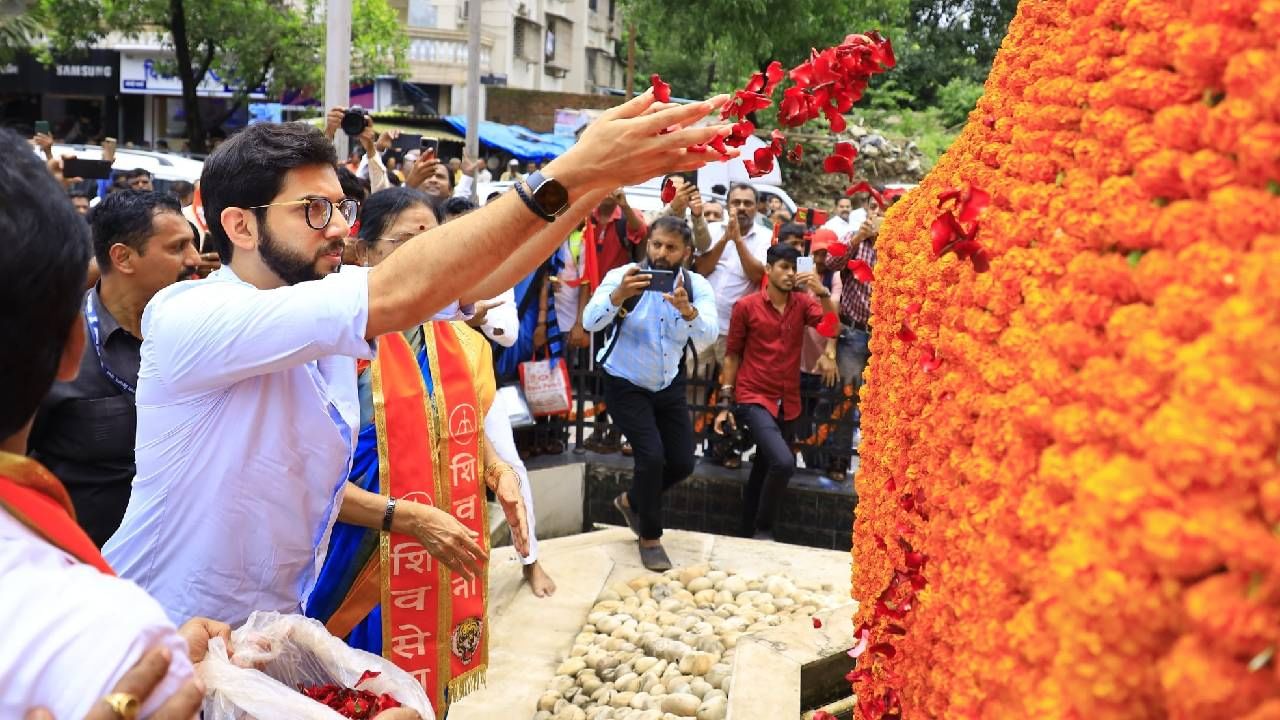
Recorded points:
(273, 654)
(546, 386)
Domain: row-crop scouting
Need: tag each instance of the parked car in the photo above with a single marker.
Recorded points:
(165, 168)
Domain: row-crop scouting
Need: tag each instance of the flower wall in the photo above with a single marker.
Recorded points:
(1069, 491)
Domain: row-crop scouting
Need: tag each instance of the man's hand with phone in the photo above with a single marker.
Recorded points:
(633, 283)
(679, 299)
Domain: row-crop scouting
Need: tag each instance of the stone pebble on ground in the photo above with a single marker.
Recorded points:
(661, 647)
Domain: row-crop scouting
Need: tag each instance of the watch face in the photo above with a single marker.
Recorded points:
(552, 197)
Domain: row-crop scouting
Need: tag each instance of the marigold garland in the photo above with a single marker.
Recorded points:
(1069, 498)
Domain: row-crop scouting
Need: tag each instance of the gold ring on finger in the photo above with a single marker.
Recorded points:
(125, 705)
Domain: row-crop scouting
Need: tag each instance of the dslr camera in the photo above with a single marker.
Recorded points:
(353, 120)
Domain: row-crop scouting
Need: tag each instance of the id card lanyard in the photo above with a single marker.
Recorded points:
(95, 332)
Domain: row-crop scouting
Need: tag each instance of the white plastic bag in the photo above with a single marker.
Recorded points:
(288, 651)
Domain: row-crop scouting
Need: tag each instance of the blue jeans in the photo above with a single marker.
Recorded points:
(852, 354)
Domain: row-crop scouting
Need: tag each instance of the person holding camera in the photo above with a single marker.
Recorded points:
(760, 379)
(656, 309)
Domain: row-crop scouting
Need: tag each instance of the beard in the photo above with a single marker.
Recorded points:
(661, 264)
(291, 267)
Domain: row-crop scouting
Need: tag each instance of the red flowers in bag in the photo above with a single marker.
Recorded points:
(351, 702)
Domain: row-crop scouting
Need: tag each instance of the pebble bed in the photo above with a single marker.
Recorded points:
(660, 647)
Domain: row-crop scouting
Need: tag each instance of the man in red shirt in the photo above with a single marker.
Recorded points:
(761, 374)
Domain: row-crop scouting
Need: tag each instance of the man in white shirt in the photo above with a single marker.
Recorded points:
(247, 403)
(845, 220)
(735, 263)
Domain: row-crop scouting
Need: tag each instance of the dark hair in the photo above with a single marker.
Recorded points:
(384, 206)
(674, 225)
(126, 217)
(842, 196)
(791, 229)
(249, 169)
(139, 172)
(44, 257)
(744, 186)
(351, 185)
(181, 188)
(455, 206)
(80, 193)
(781, 251)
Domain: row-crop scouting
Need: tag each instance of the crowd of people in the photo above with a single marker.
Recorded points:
(278, 390)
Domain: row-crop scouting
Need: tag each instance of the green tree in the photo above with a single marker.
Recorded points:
(276, 43)
(715, 45)
(946, 41)
(20, 27)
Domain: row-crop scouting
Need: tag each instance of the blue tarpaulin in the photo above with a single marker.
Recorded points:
(522, 142)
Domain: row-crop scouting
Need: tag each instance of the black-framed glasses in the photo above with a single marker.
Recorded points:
(319, 210)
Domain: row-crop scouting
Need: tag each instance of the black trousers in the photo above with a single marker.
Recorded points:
(658, 426)
(771, 468)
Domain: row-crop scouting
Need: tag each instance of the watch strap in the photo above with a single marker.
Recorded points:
(526, 196)
(388, 515)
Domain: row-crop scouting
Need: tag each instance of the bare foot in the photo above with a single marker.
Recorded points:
(539, 581)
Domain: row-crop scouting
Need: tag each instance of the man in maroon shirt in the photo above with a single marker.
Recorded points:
(761, 374)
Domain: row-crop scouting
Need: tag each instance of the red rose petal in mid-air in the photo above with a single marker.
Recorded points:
(861, 270)
(668, 191)
(817, 622)
(835, 118)
(741, 131)
(661, 90)
(865, 187)
(777, 143)
(774, 75)
(842, 160)
(829, 325)
(717, 143)
(796, 153)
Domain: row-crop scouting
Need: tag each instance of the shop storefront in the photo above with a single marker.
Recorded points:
(143, 78)
(77, 95)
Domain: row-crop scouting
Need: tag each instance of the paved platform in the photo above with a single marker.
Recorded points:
(532, 635)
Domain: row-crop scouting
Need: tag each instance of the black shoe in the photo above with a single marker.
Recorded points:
(655, 558)
(628, 514)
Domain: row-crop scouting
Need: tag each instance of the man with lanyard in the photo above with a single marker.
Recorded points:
(84, 430)
(248, 409)
(643, 363)
(760, 381)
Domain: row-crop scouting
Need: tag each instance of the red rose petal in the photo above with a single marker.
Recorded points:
(752, 170)
(764, 159)
(823, 715)
(885, 649)
(866, 187)
(861, 270)
(668, 191)
(981, 261)
(914, 560)
(774, 75)
(717, 143)
(756, 83)
(946, 230)
(829, 325)
(835, 118)
(906, 334)
(796, 153)
(817, 622)
(929, 360)
(975, 201)
(846, 149)
(913, 308)
(661, 90)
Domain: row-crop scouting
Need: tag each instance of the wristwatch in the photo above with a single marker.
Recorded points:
(546, 197)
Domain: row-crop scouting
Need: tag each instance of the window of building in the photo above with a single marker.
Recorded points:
(422, 14)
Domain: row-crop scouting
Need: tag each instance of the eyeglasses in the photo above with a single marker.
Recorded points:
(319, 210)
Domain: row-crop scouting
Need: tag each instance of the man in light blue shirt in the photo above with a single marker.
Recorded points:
(644, 381)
